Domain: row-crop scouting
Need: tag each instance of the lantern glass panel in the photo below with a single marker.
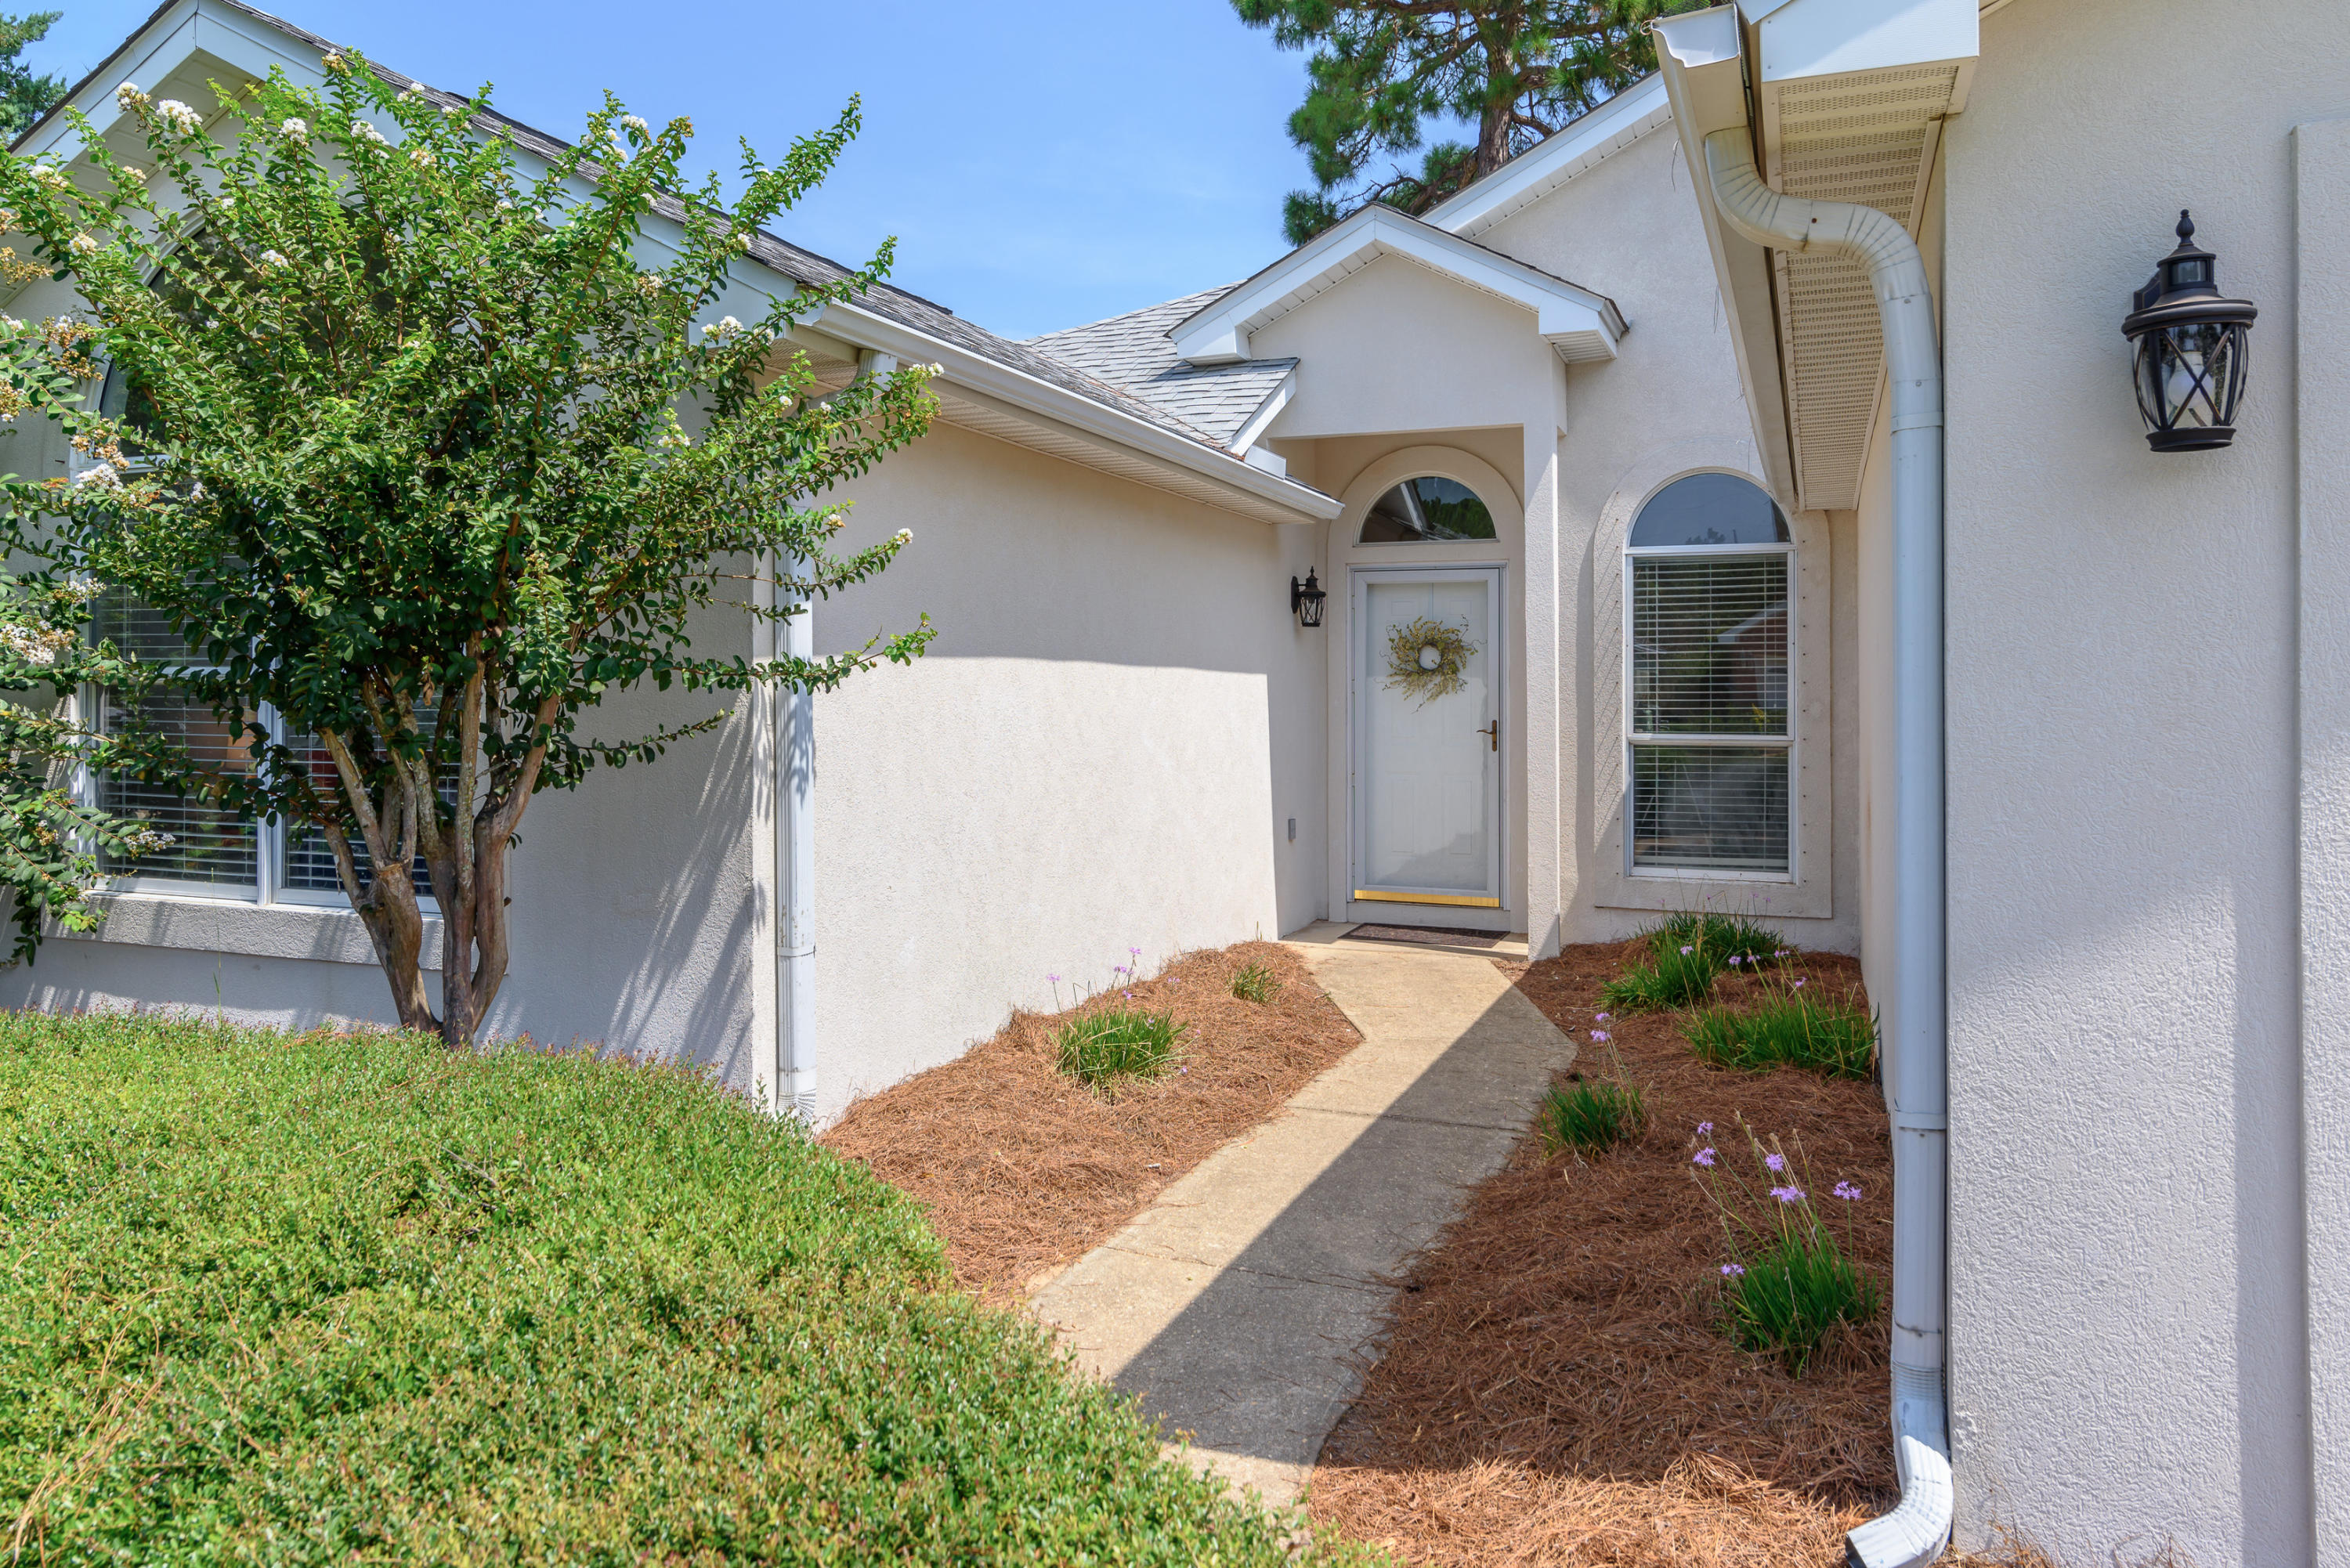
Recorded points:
(2190, 376)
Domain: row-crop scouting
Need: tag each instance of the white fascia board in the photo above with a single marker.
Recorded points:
(1267, 411)
(1579, 325)
(1018, 389)
(1702, 57)
(1536, 172)
(1799, 39)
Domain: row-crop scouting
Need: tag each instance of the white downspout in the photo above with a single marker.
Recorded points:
(795, 731)
(1917, 1042)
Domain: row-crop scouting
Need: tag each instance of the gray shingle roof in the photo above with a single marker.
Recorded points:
(777, 254)
(1133, 351)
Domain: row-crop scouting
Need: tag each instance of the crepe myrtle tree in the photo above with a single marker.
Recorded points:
(401, 463)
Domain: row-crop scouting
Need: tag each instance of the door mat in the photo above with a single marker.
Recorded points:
(1426, 934)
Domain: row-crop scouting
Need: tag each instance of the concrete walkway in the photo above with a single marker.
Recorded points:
(1233, 1305)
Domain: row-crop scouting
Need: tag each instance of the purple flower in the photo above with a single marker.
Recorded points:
(1847, 1191)
(1735, 960)
(1599, 1036)
(1773, 1162)
(1054, 978)
(1136, 951)
(1788, 1194)
(1732, 1270)
(1704, 1128)
(1686, 951)
(1598, 1018)
(1182, 1069)
(1799, 985)
(1128, 995)
(1703, 1157)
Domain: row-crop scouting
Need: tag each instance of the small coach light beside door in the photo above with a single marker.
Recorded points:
(1305, 599)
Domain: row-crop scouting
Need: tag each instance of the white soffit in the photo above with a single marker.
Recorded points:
(1851, 98)
(1579, 325)
(1540, 170)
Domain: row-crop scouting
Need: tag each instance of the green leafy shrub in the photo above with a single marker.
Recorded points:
(1256, 983)
(1789, 1282)
(1102, 1049)
(318, 1300)
(1592, 1117)
(1830, 1036)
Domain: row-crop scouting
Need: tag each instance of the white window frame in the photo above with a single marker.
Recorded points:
(1791, 742)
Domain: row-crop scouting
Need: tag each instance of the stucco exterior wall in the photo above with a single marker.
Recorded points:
(2129, 1350)
(1670, 402)
(1101, 751)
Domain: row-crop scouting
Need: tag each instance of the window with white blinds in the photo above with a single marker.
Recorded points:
(213, 850)
(1708, 714)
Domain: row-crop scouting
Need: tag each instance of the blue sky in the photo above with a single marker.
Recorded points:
(1043, 163)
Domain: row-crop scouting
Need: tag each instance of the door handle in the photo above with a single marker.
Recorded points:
(1492, 733)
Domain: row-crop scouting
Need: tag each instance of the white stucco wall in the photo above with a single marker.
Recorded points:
(1669, 401)
(1101, 751)
(2129, 1349)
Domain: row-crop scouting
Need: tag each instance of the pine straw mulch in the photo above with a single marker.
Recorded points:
(1023, 1170)
(1554, 1389)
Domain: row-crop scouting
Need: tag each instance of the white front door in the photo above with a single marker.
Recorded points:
(1428, 755)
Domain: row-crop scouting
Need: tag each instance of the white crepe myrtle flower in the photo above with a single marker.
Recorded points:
(128, 98)
(724, 330)
(38, 645)
(650, 285)
(99, 474)
(8, 217)
(505, 205)
(293, 128)
(273, 260)
(52, 176)
(903, 536)
(335, 62)
(134, 172)
(414, 90)
(422, 157)
(82, 245)
(178, 116)
(365, 132)
(635, 122)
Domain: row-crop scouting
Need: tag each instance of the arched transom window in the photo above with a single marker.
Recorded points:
(1425, 511)
(1710, 580)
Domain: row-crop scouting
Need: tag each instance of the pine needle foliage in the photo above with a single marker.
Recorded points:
(424, 454)
(1381, 70)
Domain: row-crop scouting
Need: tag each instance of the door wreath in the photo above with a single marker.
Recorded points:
(1428, 659)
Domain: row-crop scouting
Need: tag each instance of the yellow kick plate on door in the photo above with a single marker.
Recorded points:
(1372, 895)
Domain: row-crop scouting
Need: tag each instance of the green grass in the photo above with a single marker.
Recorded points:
(1591, 1117)
(1786, 1029)
(1688, 951)
(1103, 1049)
(1793, 1294)
(1256, 983)
(308, 1300)
(1668, 977)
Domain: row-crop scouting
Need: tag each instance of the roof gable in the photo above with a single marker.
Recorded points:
(1543, 168)
(1579, 324)
(1231, 403)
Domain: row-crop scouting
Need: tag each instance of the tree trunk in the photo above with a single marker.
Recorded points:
(1501, 102)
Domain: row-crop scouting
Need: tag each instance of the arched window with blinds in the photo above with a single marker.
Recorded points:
(1708, 580)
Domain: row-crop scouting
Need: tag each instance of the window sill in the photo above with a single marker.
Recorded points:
(318, 933)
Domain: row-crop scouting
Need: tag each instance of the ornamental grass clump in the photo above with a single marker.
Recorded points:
(1256, 983)
(1827, 1035)
(1675, 974)
(1592, 1116)
(1789, 1282)
(324, 1299)
(1116, 1044)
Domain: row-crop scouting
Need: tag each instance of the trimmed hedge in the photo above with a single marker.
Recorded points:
(319, 1298)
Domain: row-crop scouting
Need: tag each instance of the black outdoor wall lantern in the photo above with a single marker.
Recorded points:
(1305, 599)
(2190, 364)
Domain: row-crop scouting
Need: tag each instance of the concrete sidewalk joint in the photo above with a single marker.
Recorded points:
(1236, 1307)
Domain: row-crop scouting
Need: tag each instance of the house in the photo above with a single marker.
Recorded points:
(1654, 578)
